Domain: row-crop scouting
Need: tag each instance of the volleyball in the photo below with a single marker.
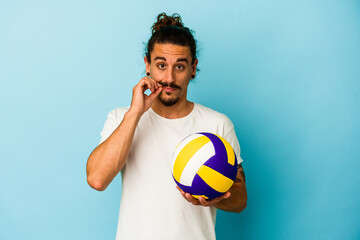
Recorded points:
(204, 165)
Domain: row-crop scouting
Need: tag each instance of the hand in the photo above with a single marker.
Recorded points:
(202, 201)
(140, 101)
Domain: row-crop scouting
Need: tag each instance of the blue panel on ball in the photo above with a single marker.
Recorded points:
(220, 165)
(220, 149)
(219, 161)
(205, 189)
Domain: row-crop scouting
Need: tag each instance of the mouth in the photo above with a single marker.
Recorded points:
(169, 87)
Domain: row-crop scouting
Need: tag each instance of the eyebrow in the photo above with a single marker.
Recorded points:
(160, 58)
(182, 60)
(178, 60)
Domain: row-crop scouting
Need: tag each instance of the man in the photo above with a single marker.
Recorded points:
(139, 141)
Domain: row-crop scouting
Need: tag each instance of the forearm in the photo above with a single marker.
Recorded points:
(107, 160)
(236, 202)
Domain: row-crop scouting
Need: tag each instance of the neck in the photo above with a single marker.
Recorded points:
(178, 110)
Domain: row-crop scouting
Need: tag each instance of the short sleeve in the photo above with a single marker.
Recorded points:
(232, 139)
(113, 120)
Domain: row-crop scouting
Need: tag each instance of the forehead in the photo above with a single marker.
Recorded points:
(170, 51)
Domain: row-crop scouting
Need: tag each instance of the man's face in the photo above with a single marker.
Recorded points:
(171, 67)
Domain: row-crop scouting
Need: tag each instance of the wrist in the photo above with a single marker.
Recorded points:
(134, 114)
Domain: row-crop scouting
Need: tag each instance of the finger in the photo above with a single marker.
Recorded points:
(153, 82)
(227, 195)
(191, 199)
(182, 193)
(203, 202)
(188, 197)
(150, 85)
(141, 87)
(218, 199)
(153, 95)
(184, 196)
(224, 196)
(146, 83)
(214, 201)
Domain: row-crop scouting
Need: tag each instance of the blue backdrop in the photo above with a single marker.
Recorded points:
(286, 72)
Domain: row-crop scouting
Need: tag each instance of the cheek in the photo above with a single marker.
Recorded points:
(157, 75)
(184, 74)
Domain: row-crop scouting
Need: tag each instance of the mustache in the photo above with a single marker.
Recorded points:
(171, 85)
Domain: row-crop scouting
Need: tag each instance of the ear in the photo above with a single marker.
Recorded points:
(147, 64)
(193, 67)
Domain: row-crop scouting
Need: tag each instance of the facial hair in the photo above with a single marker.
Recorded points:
(168, 102)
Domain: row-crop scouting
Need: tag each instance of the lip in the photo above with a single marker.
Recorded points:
(169, 89)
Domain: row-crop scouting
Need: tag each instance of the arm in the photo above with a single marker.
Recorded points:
(107, 160)
(238, 196)
(232, 201)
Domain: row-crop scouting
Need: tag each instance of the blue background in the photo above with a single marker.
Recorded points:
(286, 72)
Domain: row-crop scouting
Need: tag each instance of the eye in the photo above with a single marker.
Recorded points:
(179, 67)
(161, 65)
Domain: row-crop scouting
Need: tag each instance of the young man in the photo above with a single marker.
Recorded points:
(139, 141)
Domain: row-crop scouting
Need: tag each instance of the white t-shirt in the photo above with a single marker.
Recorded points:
(151, 207)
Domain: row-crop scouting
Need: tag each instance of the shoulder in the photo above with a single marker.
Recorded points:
(117, 114)
(213, 115)
(118, 111)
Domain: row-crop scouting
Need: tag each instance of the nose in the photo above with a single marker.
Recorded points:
(169, 76)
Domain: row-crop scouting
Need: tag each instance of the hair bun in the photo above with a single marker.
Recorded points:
(164, 20)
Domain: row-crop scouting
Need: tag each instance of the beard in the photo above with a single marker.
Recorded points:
(171, 101)
(168, 102)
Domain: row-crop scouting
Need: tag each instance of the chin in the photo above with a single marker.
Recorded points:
(167, 100)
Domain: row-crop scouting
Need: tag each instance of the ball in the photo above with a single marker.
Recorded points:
(204, 165)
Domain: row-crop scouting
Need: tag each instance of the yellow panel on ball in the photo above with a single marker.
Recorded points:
(186, 154)
(215, 179)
